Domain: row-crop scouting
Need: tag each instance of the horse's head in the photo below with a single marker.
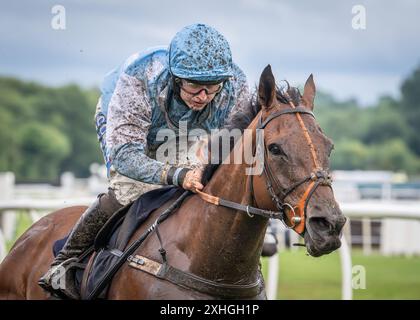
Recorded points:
(296, 165)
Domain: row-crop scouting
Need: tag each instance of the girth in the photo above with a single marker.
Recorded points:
(191, 281)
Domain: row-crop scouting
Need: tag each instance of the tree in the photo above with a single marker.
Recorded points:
(9, 155)
(45, 131)
(384, 123)
(349, 155)
(393, 155)
(78, 111)
(45, 147)
(410, 108)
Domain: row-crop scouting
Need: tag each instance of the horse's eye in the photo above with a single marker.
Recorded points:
(276, 149)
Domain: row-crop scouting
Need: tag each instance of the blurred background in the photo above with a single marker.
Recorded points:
(365, 57)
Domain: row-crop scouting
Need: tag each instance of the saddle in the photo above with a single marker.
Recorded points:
(113, 238)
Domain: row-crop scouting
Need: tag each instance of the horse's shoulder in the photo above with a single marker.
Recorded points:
(69, 213)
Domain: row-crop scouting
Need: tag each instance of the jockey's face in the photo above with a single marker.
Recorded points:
(197, 96)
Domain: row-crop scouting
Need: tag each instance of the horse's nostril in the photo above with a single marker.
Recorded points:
(341, 221)
(320, 223)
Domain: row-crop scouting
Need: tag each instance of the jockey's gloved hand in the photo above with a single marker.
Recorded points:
(188, 179)
(192, 180)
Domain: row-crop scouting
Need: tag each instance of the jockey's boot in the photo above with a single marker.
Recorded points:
(60, 278)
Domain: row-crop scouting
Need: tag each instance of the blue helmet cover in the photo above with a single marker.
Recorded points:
(200, 53)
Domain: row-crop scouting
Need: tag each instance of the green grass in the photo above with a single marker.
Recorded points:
(304, 277)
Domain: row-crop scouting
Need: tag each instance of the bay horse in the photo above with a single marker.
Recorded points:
(213, 242)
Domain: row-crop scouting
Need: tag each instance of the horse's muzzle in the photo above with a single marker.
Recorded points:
(323, 232)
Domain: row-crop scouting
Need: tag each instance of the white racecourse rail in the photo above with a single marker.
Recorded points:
(355, 210)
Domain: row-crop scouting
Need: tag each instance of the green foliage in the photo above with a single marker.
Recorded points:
(410, 108)
(46, 146)
(45, 131)
(343, 123)
(385, 123)
(393, 155)
(382, 137)
(349, 155)
(390, 155)
(9, 154)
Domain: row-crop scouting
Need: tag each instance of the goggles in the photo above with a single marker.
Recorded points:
(195, 88)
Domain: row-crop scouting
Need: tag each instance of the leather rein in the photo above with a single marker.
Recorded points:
(293, 216)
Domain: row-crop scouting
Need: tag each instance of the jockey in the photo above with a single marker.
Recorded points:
(193, 81)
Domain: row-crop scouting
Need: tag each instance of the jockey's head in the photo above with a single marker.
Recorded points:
(200, 61)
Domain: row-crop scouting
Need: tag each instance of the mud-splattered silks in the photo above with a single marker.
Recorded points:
(132, 107)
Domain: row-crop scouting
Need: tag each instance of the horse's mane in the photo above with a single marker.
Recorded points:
(242, 120)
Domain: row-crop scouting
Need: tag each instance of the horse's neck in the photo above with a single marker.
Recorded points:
(228, 242)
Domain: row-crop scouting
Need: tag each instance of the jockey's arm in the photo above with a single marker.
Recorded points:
(129, 120)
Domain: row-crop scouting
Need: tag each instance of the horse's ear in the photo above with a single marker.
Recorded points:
(309, 92)
(267, 88)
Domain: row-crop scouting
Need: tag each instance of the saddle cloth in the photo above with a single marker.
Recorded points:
(116, 233)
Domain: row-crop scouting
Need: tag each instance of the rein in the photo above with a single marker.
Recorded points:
(241, 207)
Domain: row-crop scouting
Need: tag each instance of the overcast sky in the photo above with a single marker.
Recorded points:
(296, 37)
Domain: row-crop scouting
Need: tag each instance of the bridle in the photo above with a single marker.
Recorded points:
(295, 214)
(292, 215)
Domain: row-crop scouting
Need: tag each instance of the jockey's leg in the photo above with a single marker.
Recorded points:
(80, 239)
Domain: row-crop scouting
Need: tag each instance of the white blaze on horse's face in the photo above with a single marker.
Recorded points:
(297, 156)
